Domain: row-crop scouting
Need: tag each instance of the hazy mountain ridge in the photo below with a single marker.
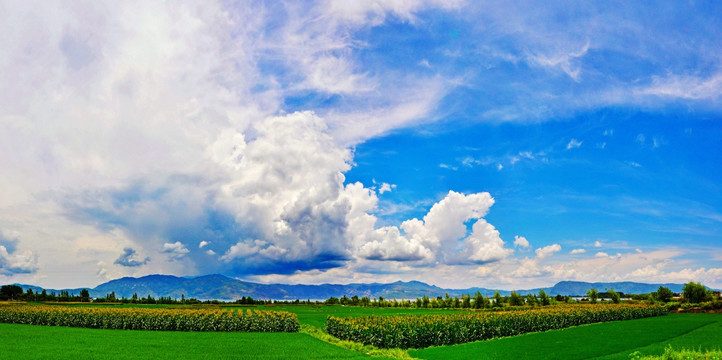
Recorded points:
(224, 288)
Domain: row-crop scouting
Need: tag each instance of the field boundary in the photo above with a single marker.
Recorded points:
(355, 346)
(630, 350)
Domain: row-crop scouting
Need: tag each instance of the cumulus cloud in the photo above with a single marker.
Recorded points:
(521, 241)
(547, 251)
(601, 254)
(387, 243)
(436, 235)
(527, 268)
(577, 251)
(175, 250)
(17, 262)
(597, 244)
(202, 244)
(130, 258)
(386, 187)
(484, 244)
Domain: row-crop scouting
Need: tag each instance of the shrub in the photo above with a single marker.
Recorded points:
(419, 331)
(151, 319)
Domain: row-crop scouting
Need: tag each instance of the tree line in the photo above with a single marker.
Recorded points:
(466, 301)
(14, 292)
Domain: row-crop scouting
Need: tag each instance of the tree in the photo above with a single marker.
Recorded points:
(515, 299)
(544, 298)
(695, 292)
(84, 295)
(332, 301)
(10, 292)
(466, 301)
(498, 300)
(614, 296)
(531, 299)
(478, 300)
(593, 294)
(663, 294)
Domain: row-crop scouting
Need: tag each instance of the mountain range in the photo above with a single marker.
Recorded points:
(221, 287)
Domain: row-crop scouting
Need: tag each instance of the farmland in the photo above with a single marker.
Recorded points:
(608, 340)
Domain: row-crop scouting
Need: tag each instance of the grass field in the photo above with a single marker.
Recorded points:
(46, 342)
(316, 315)
(612, 340)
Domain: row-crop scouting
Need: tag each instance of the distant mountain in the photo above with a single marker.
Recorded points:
(627, 287)
(224, 288)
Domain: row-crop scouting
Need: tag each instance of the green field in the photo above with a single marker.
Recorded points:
(611, 340)
(316, 315)
(46, 342)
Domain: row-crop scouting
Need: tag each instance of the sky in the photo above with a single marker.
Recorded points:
(504, 145)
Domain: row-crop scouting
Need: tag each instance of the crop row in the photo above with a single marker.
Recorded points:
(151, 319)
(420, 331)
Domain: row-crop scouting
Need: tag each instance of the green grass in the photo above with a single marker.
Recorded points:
(316, 315)
(612, 340)
(46, 342)
(608, 341)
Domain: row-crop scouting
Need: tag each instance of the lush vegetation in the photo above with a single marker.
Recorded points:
(47, 342)
(609, 340)
(150, 319)
(684, 354)
(447, 329)
(14, 292)
(316, 315)
(602, 341)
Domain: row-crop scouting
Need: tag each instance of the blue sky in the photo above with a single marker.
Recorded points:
(461, 143)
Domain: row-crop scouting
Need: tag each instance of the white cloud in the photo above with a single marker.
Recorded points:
(385, 187)
(387, 243)
(374, 12)
(521, 241)
(484, 244)
(573, 144)
(203, 243)
(436, 235)
(547, 251)
(527, 268)
(597, 244)
(577, 251)
(601, 254)
(685, 87)
(175, 250)
(17, 262)
(566, 61)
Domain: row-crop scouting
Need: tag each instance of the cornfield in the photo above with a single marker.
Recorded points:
(151, 319)
(420, 331)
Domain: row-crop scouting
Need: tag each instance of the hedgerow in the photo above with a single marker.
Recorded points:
(151, 319)
(420, 331)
